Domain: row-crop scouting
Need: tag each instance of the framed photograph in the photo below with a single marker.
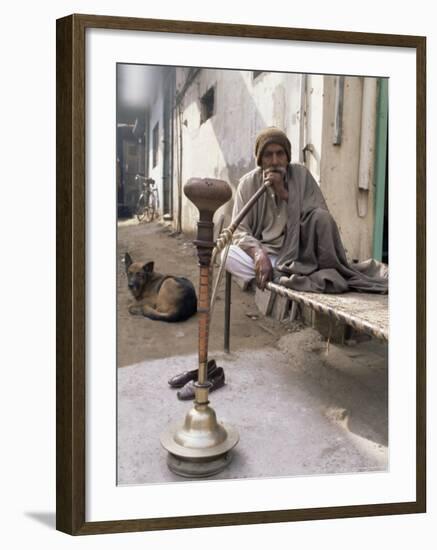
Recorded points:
(311, 403)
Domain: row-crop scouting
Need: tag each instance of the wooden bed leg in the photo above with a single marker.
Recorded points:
(293, 311)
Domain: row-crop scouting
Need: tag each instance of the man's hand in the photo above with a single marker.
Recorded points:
(263, 268)
(276, 177)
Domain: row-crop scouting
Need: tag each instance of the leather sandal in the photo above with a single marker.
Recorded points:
(217, 379)
(179, 380)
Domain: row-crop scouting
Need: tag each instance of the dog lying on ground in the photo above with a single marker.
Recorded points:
(159, 297)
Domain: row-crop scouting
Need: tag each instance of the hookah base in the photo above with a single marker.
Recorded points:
(198, 467)
(201, 447)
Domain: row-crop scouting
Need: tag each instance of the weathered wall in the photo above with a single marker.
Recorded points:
(222, 147)
(339, 169)
(313, 125)
(156, 116)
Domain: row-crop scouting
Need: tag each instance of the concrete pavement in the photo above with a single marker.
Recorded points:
(298, 410)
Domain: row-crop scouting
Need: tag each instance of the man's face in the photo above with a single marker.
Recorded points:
(274, 156)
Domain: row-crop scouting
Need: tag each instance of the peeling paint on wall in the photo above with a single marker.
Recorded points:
(279, 106)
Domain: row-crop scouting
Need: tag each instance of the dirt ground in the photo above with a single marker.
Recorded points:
(329, 406)
(139, 339)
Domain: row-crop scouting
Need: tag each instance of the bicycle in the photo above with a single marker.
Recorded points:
(148, 201)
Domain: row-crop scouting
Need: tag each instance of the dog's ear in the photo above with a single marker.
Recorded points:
(148, 267)
(127, 261)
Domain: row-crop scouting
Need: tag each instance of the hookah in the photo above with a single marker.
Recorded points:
(201, 446)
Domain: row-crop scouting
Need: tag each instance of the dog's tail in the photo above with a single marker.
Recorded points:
(170, 317)
(158, 316)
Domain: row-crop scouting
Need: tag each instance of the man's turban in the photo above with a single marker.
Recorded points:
(268, 136)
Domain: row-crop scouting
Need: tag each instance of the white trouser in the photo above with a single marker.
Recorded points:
(240, 264)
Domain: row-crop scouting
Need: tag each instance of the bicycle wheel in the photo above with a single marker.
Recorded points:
(141, 209)
(151, 208)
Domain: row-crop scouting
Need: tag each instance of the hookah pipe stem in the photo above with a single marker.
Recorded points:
(207, 257)
(225, 238)
(228, 232)
(253, 199)
(207, 195)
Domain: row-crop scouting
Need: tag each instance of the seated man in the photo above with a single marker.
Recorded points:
(289, 235)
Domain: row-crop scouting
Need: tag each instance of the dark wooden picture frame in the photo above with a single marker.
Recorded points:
(71, 253)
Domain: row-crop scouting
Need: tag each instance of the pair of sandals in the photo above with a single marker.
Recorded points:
(215, 375)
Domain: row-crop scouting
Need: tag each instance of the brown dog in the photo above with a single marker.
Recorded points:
(159, 297)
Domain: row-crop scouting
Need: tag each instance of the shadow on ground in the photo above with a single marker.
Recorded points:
(45, 518)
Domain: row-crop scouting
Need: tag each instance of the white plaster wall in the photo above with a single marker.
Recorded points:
(222, 147)
(156, 112)
(314, 123)
(339, 169)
